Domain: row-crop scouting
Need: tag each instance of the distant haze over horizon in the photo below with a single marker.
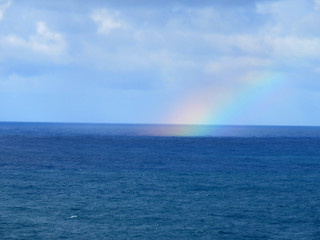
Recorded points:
(155, 124)
(176, 62)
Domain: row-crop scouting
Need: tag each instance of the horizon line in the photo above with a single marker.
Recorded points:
(172, 124)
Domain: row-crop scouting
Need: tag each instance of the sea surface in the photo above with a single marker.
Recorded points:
(113, 181)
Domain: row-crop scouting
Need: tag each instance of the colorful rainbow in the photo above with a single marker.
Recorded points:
(205, 110)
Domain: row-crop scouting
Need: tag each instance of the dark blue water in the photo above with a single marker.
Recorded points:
(95, 181)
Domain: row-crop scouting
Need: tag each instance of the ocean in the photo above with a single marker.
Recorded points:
(122, 181)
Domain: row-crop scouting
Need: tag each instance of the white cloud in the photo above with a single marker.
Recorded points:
(267, 45)
(268, 7)
(296, 47)
(44, 41)
(317, 4)
(236, 64)
(3, 6)
(106, 21)
(15, 82)
(292, 29)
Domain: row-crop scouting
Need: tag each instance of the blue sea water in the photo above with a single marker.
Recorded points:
(109, 181)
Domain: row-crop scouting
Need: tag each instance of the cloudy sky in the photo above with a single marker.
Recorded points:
(148, 61)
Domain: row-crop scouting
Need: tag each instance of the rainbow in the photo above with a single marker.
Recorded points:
(204, 110)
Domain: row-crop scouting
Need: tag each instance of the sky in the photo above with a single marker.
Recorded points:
(240, 62)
